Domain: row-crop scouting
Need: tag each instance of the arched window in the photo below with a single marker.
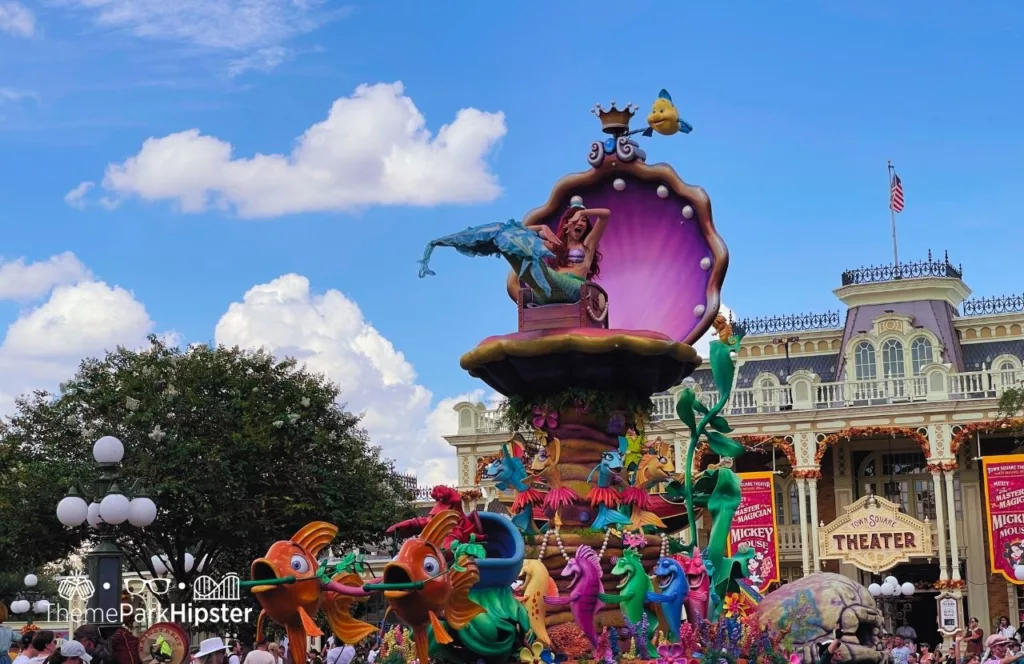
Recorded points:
(780, 505)
(794, 503)
(768, 387)
(920, 354)
(864, 361)
(892, 359)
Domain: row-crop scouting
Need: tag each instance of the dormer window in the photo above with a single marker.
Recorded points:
(864, 361)
(920, 354)
(892, 359)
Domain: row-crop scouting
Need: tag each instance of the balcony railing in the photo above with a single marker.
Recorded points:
(926, 268)
(803, 394)
(987, 306)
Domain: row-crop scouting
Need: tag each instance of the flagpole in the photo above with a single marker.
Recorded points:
(892, 219)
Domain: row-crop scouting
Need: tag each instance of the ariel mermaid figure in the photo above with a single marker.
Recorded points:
(545, 464)
(554, 264)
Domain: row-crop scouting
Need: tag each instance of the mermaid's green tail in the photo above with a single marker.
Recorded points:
(524, 251)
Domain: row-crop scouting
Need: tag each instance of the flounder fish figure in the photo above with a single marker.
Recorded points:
(294, 605)
(445, 592)
(664, 116)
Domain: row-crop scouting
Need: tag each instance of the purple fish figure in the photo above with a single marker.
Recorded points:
(584, 588)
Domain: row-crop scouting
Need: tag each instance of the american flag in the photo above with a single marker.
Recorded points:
(896, 194)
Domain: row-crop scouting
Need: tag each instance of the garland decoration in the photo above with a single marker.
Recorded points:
(753, 443)
(871, 432)
(986, 426)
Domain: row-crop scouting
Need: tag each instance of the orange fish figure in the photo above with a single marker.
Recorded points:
(294, 605)
(445, 592)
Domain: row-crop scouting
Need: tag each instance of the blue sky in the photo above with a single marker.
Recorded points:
(796, 107)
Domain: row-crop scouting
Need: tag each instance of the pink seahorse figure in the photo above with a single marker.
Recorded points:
(584, 588)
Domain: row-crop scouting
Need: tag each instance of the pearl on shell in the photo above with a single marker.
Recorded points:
(576, 201)
(619, 184)
(705, 263)
(662, 191)
(698, 310)
(688, 212)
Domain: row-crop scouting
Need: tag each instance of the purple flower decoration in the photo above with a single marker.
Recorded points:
(671, 654)
(544, 418)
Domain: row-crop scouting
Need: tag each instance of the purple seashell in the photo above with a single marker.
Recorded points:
(651, 254)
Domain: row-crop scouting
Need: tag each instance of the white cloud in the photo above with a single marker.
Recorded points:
(17, 19)
(238, 26)
(12, 95)
(373, 149)
(76, 197)
(329, 334)
(703, 345)
(79, 320)
(263, 60)
(46, 343)
(27, 281)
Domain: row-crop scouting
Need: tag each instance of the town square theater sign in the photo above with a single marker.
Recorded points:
(874, 535)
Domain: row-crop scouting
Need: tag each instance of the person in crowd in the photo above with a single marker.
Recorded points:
(371, 656)
(998, 650)
(314, 657)
(211, 651)
(1005, 629)
(73, 652)
(44, 642)
(124, 645)
(7, 636)
(827, 649)
(261, 655)
(236, 653)
(275, 650)
(973, 639)
(89, 636)
(926, 655)
(900, 652)
(907, 632)
(27, 651)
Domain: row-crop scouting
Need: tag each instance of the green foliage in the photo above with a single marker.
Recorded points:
(723, 445)
(12, 585)
(517, 413)
(1011, 402)
(236, 448)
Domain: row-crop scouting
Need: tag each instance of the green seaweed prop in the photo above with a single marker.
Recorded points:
(492, 637)
(717, 489)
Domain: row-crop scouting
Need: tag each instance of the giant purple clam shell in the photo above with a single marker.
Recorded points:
(663, 263)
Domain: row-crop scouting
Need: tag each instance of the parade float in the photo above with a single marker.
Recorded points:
(613, 278)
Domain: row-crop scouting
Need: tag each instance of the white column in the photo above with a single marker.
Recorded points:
(940, 516)
(678, 445)
(804, 543)
(813, 483)
(954, 545)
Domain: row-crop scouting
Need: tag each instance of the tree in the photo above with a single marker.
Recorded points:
(1011, 402)
(237, 449)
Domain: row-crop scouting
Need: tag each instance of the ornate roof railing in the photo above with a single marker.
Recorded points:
(791, 323)
(896, 271)
(985, 306)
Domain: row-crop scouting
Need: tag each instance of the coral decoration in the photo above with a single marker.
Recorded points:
(941, 466)
(471, 495)
(569, 640)
(604, 649)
